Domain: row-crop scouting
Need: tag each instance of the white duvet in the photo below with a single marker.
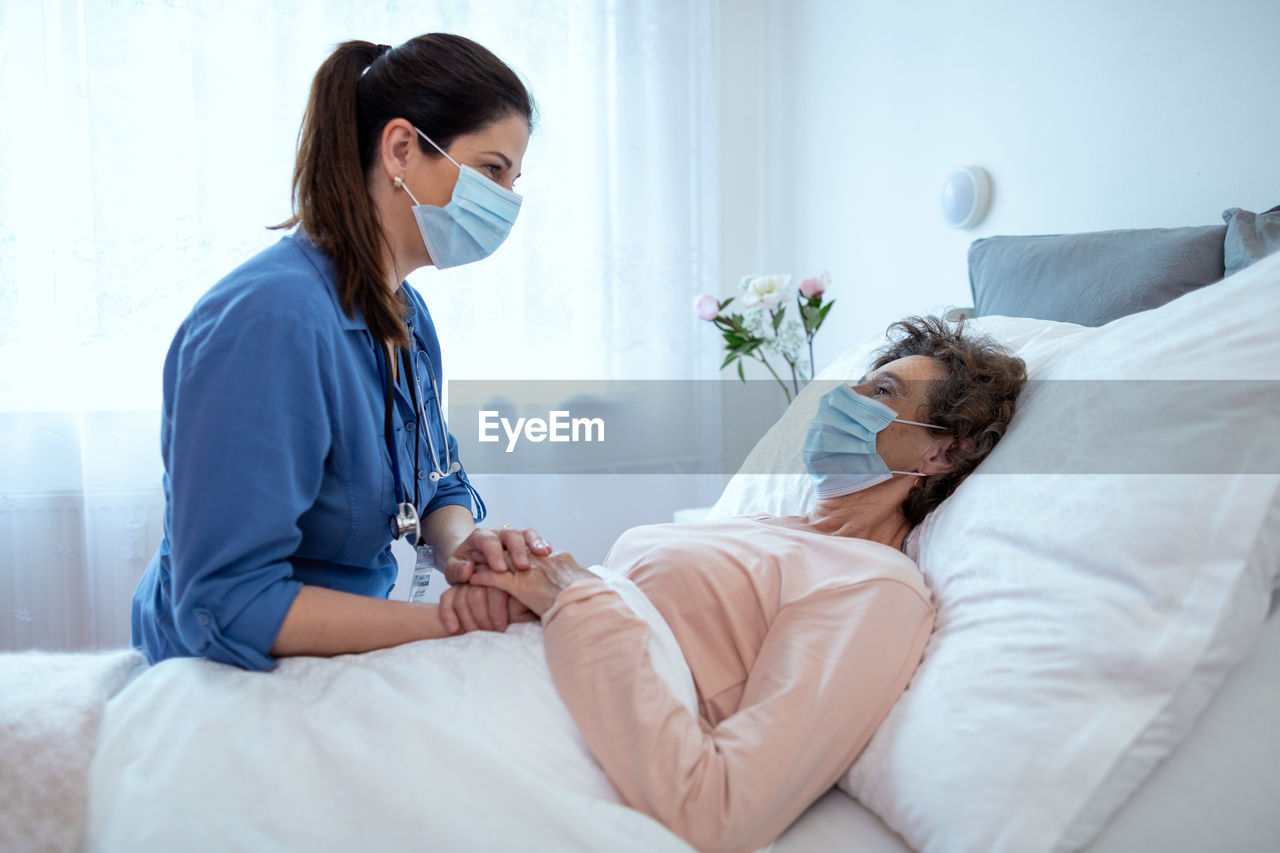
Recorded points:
(455, 744)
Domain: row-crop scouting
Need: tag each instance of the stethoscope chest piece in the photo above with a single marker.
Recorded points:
(405, 522)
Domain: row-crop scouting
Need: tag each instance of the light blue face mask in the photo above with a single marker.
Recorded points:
(473, 224)
(840, 447)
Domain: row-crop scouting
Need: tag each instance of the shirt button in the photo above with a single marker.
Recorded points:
(422, 475)
(203, 618)
(410, 426)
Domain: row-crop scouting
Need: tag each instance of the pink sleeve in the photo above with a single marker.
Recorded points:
(830, 668)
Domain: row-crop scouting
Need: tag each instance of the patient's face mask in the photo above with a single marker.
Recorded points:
(840, 447)
(473, 224)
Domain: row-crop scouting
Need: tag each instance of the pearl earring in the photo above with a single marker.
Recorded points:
(398, 183)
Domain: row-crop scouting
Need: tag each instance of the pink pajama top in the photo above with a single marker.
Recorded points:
(799, 643)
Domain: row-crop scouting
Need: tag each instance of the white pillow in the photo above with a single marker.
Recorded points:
(1084, 620)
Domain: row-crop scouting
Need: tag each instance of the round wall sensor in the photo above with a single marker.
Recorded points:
(966, 195)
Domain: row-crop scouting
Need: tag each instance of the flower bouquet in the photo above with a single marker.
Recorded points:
(764, 329)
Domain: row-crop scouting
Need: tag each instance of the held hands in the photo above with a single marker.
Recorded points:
(468, 608)
(465, 608)
(537, 588)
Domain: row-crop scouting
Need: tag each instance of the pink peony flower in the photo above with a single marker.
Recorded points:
(815, 286)
(707, 306)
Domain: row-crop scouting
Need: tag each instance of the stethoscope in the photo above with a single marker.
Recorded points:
(406, 521)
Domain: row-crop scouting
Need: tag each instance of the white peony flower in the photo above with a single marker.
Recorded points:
(765, 290)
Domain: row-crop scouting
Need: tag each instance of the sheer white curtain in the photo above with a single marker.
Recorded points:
(144, 147)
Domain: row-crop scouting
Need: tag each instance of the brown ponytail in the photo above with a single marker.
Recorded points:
(445, 85)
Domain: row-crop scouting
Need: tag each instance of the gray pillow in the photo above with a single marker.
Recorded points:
(1092, 278)
(1250, 236)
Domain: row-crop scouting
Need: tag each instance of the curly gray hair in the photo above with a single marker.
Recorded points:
(974, 403)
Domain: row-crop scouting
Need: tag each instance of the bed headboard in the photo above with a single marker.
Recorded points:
(1094, 278)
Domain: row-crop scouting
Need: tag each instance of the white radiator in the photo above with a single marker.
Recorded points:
(69, 563)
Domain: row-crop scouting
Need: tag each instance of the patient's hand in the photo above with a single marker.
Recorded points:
(538, 587)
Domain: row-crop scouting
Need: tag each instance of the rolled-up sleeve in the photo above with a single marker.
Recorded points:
(450, 491)
(250, 432)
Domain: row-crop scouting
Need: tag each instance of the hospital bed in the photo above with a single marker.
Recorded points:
(1106, 661)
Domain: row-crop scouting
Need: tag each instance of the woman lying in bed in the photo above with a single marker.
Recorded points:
(800, 631)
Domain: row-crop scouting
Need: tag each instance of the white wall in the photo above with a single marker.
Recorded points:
(1088, 115)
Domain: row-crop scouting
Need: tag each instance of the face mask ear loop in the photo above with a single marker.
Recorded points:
(400, 184)
(912, 473)
(438, 148)
(918, 423)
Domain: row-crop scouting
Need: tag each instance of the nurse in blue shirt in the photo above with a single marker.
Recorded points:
(302, 423)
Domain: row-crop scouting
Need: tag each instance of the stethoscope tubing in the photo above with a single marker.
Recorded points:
(450, 466)
(437, 472)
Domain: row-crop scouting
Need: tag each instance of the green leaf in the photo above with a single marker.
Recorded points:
(725, 304)
(822, 314)
(777, 320)
(741, 375)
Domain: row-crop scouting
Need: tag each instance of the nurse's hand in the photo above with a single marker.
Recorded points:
(538, 587)
(499, 550)
(465, 608)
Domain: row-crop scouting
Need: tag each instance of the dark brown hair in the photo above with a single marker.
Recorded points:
(445, 85)
(975, 401)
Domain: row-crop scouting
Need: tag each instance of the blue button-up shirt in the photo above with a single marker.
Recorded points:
(276, 466)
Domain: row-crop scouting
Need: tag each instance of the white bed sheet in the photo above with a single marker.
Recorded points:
(838, 822)
(454, 744)
(1216, 791)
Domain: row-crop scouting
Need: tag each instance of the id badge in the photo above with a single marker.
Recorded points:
(424, 564)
